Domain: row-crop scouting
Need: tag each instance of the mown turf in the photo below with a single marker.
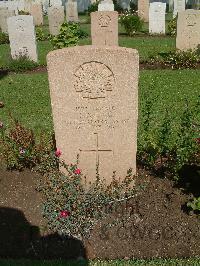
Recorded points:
(26, 96)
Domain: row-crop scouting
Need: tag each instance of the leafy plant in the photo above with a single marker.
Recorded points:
(22, 12)
(182, 59)
(19, 148)
(195, 204)
(21, 64)
(68, 35)
(4, 39)
(93, 7)
(131, 23)
(72, 208)
(172, 26)
(40, 36)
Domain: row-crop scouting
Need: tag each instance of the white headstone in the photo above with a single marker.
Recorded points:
(55, 3)
(72, 11)
(22, 37)
(56, 17)
(157, 18)
(179, 6)
(4, 15)
(106, 5)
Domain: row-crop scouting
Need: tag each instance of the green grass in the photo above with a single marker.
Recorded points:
(26, 96)
(156, 262)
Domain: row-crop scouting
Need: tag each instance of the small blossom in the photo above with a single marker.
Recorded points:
(58, 153)
(77, 171)
(22, 151)
(64, 214)
(1, 124)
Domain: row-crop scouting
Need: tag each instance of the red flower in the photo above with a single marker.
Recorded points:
(77, 171)
(58, 152)
(64, 214)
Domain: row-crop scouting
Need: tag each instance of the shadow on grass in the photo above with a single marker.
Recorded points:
(20, 240)
(3, 73)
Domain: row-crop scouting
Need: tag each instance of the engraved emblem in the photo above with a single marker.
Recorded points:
(20, 25)
(104, 21)
(93, 80)
(191, 20)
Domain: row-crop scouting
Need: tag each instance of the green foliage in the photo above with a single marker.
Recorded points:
(72, 208)
(69, 35)
(40, 36)
(172, 26)
(22, 12)
(131, 22)
(195, 204)
(22, 63)
(93, 7)
(182, 59)
(160, 150)
(19, 148)
(4, 38)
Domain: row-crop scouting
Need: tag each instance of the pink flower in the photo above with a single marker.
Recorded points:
(64, 214)
(58, 152)
(1, 124)
(22, 151)
(77, 171)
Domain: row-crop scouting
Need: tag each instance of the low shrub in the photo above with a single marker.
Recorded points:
(19, 148)
(182, 59)
(22, 12)
(195, 204)
(22, 63)
(69, 35)
(172, 27)
(93, 7)
(40, 36)
(131, 22)
(4, 39)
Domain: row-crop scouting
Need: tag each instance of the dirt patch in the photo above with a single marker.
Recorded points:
(153, 224)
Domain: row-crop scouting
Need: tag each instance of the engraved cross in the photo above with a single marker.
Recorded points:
(97, 150)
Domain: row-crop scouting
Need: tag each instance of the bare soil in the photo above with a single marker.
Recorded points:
(153, 224)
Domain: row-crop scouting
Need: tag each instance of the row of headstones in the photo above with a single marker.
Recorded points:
(56, 16)
(145, 5)
(24, 5)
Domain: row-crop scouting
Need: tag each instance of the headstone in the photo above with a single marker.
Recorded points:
(179, 6)
(36, 12)
(125, 4)
(106, 5)
(143, 9)
(56, 18)
(104, 28)
(71, 11)
(4, 15)
(27, 6)
(21, 5)
(94, 91)
(55, 3)
(22, 37)
(157, 18)
(188, 33)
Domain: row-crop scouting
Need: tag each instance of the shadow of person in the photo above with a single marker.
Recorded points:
(19, 239)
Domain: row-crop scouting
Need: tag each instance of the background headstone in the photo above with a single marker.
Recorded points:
(55, 3)
(22, 37)
(104, 28)
(106, 5)
(143, 9)
(188, 33)
(4, 15)
(36, 12)
(94, 97)
(157, 18)
(72, 11)
(56, 17)
(179, 6)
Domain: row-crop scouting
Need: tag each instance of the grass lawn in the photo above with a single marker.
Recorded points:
(26, 96)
